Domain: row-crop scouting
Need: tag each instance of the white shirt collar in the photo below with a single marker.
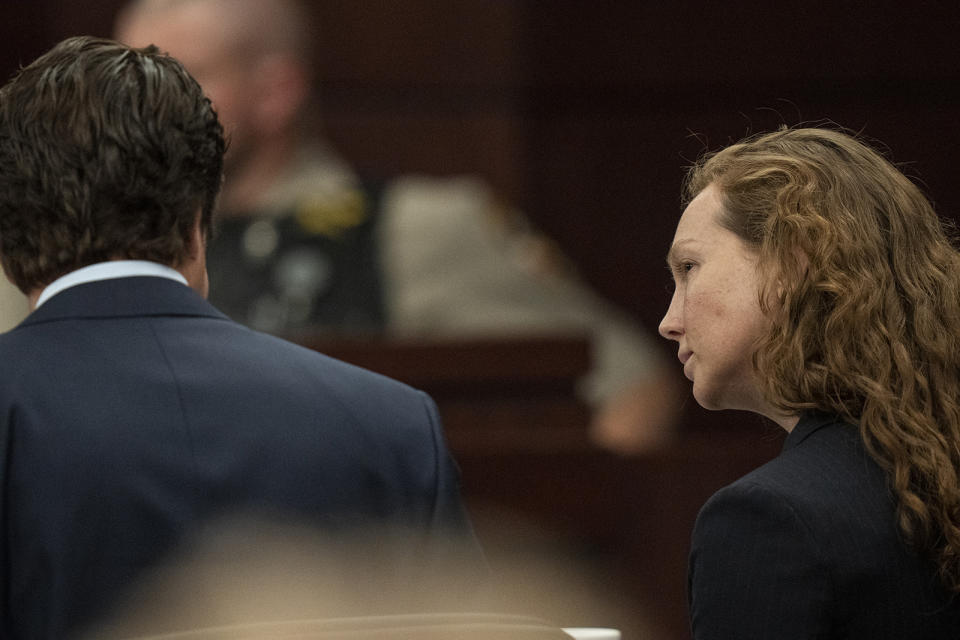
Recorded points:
(108, 271)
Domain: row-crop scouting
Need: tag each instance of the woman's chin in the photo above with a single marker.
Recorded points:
(719, 398)
(707, 397)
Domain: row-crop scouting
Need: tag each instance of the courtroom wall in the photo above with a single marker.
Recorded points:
(585, 114)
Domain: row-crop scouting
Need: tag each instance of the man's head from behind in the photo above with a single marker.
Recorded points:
(106, 152)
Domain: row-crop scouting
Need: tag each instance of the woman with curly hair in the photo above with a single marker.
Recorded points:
(816, 286)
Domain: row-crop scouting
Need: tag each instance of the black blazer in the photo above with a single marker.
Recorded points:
(131, 411)
(807, 546)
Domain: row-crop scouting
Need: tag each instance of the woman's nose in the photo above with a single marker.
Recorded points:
(670, 327)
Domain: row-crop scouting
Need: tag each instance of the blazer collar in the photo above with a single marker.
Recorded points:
(810, 422)
(124, 297)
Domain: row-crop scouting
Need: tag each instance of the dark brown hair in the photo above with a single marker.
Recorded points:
(862, 286)
(105, 152)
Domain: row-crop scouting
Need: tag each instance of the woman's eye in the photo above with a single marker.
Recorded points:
(680, 268)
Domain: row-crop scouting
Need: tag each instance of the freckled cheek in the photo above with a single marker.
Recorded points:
(704, 305)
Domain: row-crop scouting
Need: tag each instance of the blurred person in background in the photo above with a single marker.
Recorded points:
(13, 305)
(134, 414)
(304, 244)
(815, 286)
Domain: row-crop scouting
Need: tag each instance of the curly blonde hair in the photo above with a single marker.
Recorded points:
(862, 286)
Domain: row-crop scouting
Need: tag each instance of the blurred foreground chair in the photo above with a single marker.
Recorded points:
(467, 626)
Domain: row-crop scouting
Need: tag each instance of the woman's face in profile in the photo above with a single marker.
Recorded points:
(715, 314)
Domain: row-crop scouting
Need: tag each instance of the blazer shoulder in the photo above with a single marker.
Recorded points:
(829, 466)
(827, 486)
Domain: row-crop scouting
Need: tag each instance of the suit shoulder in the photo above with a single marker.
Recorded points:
(354, 385)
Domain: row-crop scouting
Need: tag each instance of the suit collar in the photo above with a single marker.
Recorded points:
(124, 297)
(106, 271)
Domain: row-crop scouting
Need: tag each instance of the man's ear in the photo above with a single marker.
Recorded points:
(197, 241)
(194, 266)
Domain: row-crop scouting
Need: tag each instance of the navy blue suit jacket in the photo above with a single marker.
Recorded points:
(131, 411)
(807, 546)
